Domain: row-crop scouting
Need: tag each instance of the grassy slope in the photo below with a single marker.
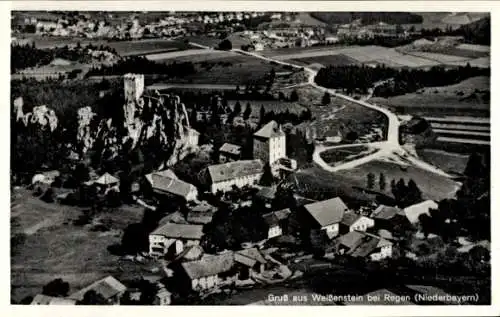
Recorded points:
(59, 249)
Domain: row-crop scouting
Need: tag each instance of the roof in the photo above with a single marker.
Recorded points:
(191, 253)
(106, 179)
(273, 218)
(367, 245)
(199, 218)
(166, 173)
(386, 212)
(253, 253)
(361, 244)
(267, 192)
(270, 130)
(414, 211)
(209, 265)
(327, 212)
(41, 299)
(350, 218)
(179, 231)
(172, 185)
(351, 239)
(244, 260)
(233, 170)
(107, 287)
(203, 207)
(230, 148)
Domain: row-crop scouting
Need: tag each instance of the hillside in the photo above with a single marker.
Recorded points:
(478, 32)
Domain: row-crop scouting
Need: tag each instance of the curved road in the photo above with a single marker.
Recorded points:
(387, 148)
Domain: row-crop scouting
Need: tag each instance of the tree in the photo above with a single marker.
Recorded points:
(382, 182)
(267, 178)
(414, 194)
(370, 180)
(56, 288)
(225, 45)
(326, 99)
(237, 108)
(91, 297)
(294, 96)
(475, 167)
(247, 112)
(262, 115)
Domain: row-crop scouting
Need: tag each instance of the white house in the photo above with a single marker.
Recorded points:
(363, 244)
(352, 221)
(326, 215)
(173, 238)
(173, 187)
(269, 143)
(238, 173)
(414, 211)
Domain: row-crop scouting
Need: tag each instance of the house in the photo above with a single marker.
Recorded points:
(173, 187)
(191, 137)
(163, 296)
(364, 245)
(190, 253)
(414, 211)
(326, 215)
(229, 152)
(166, 173)
(266, 195)
(247, 261)
(107, 181)
(172, 238)
(109, 288)
(201, 214)
(269, 143)
(352, 221)
(276, 222)
(41, 299)
(387, 217)
(205, 273)
(239, 173)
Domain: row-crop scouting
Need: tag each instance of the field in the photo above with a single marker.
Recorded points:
(337, 60)
(338, 155)
(448, 162)
(54, 247)
(433, 186)
(194, 55)
(123, 48)
(329, 119)
(469, 97)
(230, 70)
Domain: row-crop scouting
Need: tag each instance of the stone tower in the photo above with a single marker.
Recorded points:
(134, 87)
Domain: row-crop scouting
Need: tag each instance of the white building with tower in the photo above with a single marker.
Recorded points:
(269, 143)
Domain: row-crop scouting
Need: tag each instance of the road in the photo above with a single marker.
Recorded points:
(390, 148)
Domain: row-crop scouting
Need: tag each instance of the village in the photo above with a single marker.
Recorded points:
(286, 229)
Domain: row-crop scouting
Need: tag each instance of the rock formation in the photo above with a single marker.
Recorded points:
(41, 115)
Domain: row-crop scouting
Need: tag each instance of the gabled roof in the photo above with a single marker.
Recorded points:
(230, 148)
(253, 253)
(351, 239)
(361, 244)
(191, 253)
(106, 179)
(273, 218)
(350, 218)
(107, 287)
(267, 192)
(327, 212)
(233, 170)
(179, 231)
(209, 265)
(165, 173)
(270, 130)
(172, 186)
(386, 212)
(414, 211)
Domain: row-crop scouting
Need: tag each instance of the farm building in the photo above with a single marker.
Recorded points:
(173, 188)
(109, 288)
(413, 212)
(387, 217)
(239, 173)
(276, 222)
(229, 152)
(354, 222)
(326, 215)
(107, 181)
(172, 238)
(362, 244)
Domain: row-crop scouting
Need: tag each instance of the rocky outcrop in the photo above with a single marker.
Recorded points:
(41, 115)
(161, 118)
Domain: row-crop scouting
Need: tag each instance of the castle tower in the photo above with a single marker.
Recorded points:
(269, 143)
(133, 86)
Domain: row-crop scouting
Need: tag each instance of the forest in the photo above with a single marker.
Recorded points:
(368, 17)
(137, 64)
(404, 81)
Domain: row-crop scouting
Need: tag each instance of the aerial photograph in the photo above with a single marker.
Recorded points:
(250, 158)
